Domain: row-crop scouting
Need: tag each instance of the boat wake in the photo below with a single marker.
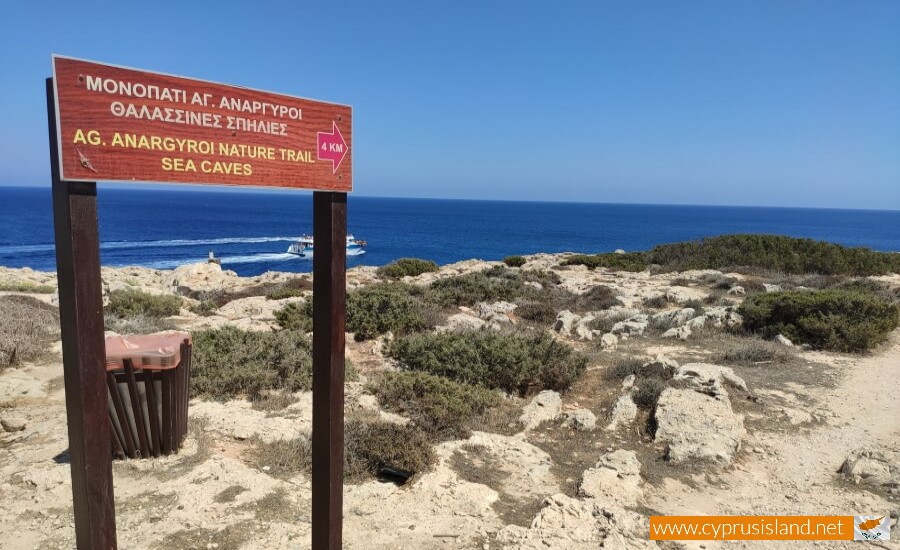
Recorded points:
(226, 260)
(114, 245)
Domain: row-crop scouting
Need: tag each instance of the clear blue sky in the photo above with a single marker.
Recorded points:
(785, 103)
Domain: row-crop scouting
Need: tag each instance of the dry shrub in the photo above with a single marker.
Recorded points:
(27, 328)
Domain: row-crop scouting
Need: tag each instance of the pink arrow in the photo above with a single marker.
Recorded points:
(332, 147)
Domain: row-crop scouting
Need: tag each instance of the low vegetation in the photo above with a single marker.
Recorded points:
(539, 313)
(443, 408)
(514, 261)
(774, 253)
(752, 351)
(27, 328)
(847, 320)
(631, 261)
(229, 363)
(407, 267)
(522, 363)
(492, 285)
(137, 324)
(371, 311)
(131, 302)
(368, 448)
(31, 288)
(376, 309)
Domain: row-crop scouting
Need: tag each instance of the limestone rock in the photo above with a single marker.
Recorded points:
(615, 478)
(201, 277)
(660, 367)
(461, 321)
(783, 340)
(674, 317)
(544, 406)
(624, 411)
(12, 422)
(567, 523)
(681, 294)
(697, 426)
(681, 333)
(609, 342)
(873, 466)
(737, 290)
(581, 420)
(17, 383)
(633, 326)
(565, 322)
(496, 312)
(711, 379)
(772, 288)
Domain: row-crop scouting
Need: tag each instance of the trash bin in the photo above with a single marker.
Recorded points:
(147, 378)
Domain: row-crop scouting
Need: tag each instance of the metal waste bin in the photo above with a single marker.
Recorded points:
(147, 379)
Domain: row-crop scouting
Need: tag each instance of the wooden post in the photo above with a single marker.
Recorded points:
(84, 372)
(329, 292)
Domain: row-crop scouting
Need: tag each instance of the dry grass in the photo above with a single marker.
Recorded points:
(229, 494)
(27, 328)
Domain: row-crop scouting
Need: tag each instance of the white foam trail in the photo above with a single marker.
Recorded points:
(248, 259)
(113, 245)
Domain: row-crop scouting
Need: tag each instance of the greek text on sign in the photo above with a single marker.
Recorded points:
(118, 124)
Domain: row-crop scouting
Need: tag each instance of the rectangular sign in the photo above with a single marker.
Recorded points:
(119, 124)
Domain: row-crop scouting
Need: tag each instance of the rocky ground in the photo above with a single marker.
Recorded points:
(811, 433)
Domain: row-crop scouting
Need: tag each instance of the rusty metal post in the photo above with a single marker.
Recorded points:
(84, 372)
(329, 292)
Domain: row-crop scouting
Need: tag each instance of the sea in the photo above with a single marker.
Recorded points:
(250, 230)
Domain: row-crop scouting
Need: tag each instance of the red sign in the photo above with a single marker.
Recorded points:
(118, 124)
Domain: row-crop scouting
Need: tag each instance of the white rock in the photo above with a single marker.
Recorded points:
(17, 383)
(873, 466)
(565, 322)
(12, 422)
(681, 294)
(489, 311)
(697, 426)
(619, 251)
(674, 317)
(634, 326)
(783, 340)
(682, 333)
(543, 407)
(609, 342)
(461, 322)
(710, 378)
(615, 478)
(624, 411)
(581, 420)
(737, 290)
(772, 288)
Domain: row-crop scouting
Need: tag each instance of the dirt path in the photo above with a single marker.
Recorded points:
(794, 472)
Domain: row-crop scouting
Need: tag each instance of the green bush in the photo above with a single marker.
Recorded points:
(597, 298)
(371, 311)
(514, 261)
(774, 253)
(228, 362)
(631, 261)
(370, 446)
(647, 391)
(407, 267)
(491, 285)
(205, 308)
(283, 292)
(295, 316)
(540, 313)
(130, 302)
(516, 362)
(27, 328)
(443, 408)
(837, 320)
(376, 309)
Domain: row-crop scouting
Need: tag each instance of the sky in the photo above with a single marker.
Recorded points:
(766, 103)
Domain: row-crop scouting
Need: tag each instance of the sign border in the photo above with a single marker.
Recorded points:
(54, 57)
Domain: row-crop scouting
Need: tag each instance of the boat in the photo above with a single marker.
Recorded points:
(304, 246)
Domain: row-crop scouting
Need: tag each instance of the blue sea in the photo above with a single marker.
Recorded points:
(251, 230)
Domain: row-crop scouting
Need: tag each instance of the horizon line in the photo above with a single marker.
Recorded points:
(212, 188)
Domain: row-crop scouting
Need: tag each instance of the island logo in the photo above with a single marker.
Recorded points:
(871, 528)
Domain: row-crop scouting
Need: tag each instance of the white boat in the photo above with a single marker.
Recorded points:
(304, 246)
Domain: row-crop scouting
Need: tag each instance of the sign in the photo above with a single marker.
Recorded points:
(119, 124)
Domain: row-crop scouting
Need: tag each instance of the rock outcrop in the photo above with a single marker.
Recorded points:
(543, 407)
(697, 426)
